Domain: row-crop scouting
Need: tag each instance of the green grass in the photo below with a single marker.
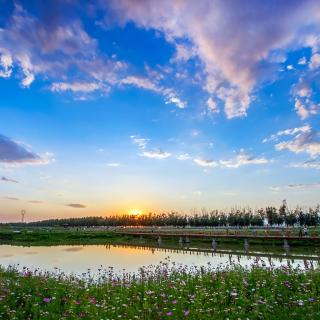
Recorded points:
(161, 293)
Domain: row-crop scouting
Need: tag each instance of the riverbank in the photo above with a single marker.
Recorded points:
(163, 293)
(35, 236)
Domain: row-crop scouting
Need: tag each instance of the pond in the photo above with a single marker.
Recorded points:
(78, 259)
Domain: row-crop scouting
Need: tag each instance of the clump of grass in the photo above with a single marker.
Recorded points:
(162, 292)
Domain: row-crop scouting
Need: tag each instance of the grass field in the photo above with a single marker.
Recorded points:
(163, 293)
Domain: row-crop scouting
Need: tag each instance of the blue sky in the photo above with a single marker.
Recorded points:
(171, 105)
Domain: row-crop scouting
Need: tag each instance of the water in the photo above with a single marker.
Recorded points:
(78, 259)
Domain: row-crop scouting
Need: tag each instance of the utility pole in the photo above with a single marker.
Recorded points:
(23, 214)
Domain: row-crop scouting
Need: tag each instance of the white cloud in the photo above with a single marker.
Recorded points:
(301, 109)
(113, 164)
(305, 140)
(205, 162)
(242, 159)
(212, 106)
(147, 84)
(183, 157)
(303, 186)
(140, 142)
(6, 65)
(302, 61)
(288, 132)
(75, 86)
(156, 154)
(315, 61)
(308, 164)
(296, 186)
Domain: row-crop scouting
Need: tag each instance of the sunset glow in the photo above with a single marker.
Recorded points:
(135, 212)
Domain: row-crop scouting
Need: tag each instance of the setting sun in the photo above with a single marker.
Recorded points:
(135, 212)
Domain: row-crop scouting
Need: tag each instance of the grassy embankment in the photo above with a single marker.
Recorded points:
(59, 236)
(163, 294)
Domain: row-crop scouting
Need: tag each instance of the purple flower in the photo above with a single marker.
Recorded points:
(186, 312)
(47, 300)
(169, 313)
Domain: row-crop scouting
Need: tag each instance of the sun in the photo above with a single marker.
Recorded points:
(135, 212)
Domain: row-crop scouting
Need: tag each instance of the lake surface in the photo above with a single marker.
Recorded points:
(78, 259)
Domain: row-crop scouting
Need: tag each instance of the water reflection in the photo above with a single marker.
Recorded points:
(131, 257)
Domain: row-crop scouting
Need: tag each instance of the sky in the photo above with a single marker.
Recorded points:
(172, 105)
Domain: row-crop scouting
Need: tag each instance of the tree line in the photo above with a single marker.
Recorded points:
(237, 218)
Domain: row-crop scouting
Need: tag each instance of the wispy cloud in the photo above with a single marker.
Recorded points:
(12, 198)
(5, 179)
(296, 186)
(242, 159)
(113, 164)
(76, 205)
(303, 140)
(183, 157)
(205, 162)
(308, 164)
(156, 154)
(140, 142)
(145, 83)
(303, 186)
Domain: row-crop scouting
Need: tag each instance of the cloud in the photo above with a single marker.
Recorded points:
(302, 92)
(113, 165)
(183, 157)
(76, 205)
(6, 65)
(242, 159)
(212, 106)
(5, 179)
(308, 164)
(288, 132)
(205, 162)
(315, 61)
(306, 141)
(156, 154)
(140, 142)
(76, 86)
(14, 153)
(12, 198)
(145, 83)
(35, 201)
(303, 186)
(236, 54)
(296, 186)
(55, 47)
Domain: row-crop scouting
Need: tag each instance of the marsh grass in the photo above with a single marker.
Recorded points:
(165, 291)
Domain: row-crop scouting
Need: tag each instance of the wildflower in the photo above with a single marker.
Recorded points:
(186, 312)
(47, 300)
(169, 313)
